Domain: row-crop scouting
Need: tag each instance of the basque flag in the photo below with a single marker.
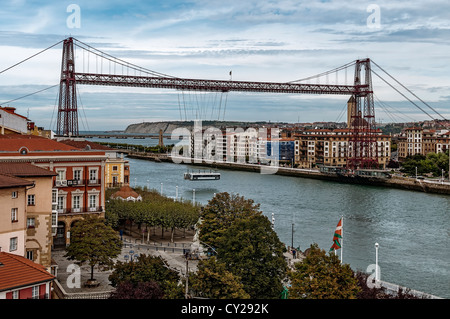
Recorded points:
(337, 237)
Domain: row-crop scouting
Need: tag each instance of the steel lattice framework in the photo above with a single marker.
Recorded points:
(363, 145)
(214, 85)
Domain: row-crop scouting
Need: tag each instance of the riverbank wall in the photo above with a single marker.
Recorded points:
(395, 181)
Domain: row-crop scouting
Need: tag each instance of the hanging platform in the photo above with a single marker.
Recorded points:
(197, 176)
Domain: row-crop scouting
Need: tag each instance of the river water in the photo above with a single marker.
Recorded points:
(411, 228)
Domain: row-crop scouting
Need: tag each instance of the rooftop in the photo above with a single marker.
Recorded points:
(15, 142)
(7, 181)
(17, 271)
(24, 170)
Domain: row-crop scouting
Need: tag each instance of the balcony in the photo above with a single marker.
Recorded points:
(94, 181)
(80, 210)
(69, 182)
(61, 183)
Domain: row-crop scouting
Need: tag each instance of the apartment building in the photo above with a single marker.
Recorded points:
(13, 215)
(416, 140)
(332, 147)
(40, 217)
(79, 178)
(117, 168)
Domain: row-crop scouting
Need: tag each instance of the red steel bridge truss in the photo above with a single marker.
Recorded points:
(363, 145)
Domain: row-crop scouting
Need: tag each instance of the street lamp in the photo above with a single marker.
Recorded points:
(131, 256)
(377, 275)
(193, 196)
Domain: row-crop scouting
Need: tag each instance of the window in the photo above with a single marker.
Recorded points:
(13, 244)
(54, 218)
(54, 195)
(92, 174)
(92, 201)
(30, 222)
(14, 194)
(14, 214)
(115, 168)
(61, 175)
(77, 175)
(29, 255)
(15, 294)
(76, 202)
(35, 292)
(60, 203)
(31, 200)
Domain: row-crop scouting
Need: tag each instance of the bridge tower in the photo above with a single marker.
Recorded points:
(363, 150)
(67, 124)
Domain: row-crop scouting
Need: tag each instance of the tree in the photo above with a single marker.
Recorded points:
(94, 242)
(246, 243)
(322, 276)
(142, 290)
(148, 269)
(213, 280)
(252, 250)
(222, 210)
(374, 292)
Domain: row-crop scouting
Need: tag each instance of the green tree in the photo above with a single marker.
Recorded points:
(246, 243)
(148, 269)
(322, 276)
(213, 280)
(220, 213)
(252, 250)
(93, 242)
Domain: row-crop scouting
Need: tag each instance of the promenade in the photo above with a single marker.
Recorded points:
(73, 287)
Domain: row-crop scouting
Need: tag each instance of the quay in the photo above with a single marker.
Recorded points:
(395, 181)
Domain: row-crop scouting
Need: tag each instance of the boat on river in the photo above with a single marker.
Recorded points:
(201, 175)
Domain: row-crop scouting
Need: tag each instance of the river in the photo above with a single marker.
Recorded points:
(411, 228)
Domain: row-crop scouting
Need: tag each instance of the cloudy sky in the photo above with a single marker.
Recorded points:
(279, 41)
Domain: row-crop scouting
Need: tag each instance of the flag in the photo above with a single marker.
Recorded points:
(337, 236)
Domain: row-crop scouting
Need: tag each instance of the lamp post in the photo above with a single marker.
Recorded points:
(161, 189)
(176, 192)
(377, 275)
(132, 257)
(193, 196)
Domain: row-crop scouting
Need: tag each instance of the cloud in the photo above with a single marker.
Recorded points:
(278, 40)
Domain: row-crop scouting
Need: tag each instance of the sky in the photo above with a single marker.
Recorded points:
(270, 41)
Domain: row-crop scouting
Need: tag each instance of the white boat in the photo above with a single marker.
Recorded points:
(197, 176)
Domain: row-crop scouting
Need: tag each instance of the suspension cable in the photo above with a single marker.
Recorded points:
(409, 90)
(30, 57)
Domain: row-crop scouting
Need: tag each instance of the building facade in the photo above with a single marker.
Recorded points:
(333, 148)
(21, 278)
(40, 216)
(13, 216)
(78, 187)
(416, 140)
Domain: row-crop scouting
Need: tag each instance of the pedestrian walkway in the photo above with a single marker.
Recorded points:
(71, 278)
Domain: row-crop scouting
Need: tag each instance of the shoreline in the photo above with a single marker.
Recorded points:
(398, 182)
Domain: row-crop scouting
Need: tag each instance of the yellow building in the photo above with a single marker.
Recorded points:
(117, 169)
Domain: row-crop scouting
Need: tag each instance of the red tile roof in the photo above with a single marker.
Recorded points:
(17, 271)
(7, 181)
(125, 192)
(84, 145)
(14, 142)
(24, 170)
